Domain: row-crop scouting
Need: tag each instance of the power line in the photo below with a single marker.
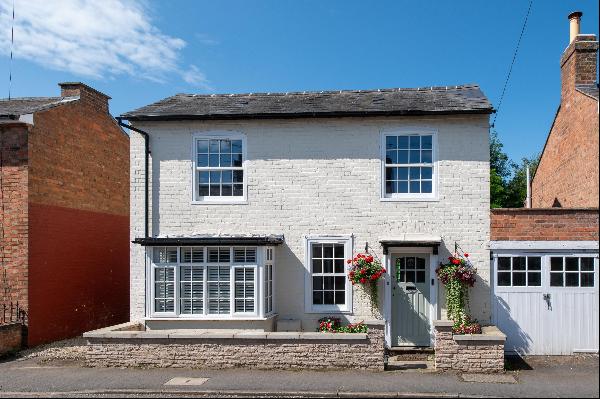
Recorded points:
(12, 43)
(512, 63)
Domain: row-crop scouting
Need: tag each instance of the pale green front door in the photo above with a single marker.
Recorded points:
(410, 300)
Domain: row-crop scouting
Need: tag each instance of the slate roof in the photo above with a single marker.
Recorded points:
(588, 90)
(466, 99)
(28, 105)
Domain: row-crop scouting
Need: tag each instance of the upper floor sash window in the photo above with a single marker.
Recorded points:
(409, 166)
(219, 167)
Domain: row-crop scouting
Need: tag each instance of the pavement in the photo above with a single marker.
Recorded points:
(536, 377)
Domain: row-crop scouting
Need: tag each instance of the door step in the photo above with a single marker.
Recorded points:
(411, 353)
(410, 365)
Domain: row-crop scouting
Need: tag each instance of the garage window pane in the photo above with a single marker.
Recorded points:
(534, 279)
(534, 263)
(504, 279)
(504, 263)
(556, 279)
(572, 264)
(519, 263)
(587, 279)
(587, 264)
(572, 280)
(519, 279)
(556, 264)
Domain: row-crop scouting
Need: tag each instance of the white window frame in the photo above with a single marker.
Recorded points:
(511, 287)
(433, 196)
(258, 265)
(347, 241)
(220, 200)
(545, 255)
(269, 263)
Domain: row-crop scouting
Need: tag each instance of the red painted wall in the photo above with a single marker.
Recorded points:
(78, 271)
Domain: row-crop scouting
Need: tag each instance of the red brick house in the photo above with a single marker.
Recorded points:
(567, 174)
(545, 259)
(64, 215)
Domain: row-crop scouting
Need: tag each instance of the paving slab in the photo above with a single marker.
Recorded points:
(489, 378)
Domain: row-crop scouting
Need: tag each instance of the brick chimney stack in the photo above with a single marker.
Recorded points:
(578, 63)
(88, 95)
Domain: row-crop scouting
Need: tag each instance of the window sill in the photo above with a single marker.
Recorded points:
(211, 318)
(327, 310)
(409, 199)
(232, 202)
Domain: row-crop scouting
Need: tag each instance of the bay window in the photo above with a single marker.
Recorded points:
(211, 282)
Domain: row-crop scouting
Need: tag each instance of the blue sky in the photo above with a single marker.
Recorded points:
(140, 51)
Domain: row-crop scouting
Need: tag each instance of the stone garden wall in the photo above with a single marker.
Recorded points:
(477, 353)
(248, 349)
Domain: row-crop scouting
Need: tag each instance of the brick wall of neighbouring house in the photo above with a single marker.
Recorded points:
(79, 224)
(13, 213)
(568, 169)
(551, 224)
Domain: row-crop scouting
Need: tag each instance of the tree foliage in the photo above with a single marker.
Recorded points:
(508, 180)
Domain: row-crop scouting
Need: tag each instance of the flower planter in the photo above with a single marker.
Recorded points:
(475, 353)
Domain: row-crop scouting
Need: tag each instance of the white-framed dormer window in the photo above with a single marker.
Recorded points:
(408, 162)
(219, 160)
(327, 288)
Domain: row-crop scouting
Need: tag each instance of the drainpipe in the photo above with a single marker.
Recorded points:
(146, 167)
(146, 193)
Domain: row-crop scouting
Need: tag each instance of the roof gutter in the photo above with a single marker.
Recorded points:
(146, 168)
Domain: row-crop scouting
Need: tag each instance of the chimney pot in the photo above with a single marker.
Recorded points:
(574, 24)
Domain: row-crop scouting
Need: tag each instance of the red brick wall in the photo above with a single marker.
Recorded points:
(79, 158)
(568, 169)
(78, 221)
(79, 272)
(13, 213)
(553, 224)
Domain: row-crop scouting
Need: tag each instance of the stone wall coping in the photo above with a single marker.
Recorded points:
(489, 333)
(9, 326)
(443, 323)
(130, 326)
(111, 334)
(374, 323)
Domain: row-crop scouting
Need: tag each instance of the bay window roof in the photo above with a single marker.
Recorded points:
(205, 239)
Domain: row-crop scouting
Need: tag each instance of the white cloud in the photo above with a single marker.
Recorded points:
(195, 77)
(206, 39)
(98, 39)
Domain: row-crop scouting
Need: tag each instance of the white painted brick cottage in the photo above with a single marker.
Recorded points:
(245, 207)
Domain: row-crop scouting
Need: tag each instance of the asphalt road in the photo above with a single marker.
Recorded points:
(549, 377)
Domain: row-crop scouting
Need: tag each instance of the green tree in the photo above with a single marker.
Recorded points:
(500, 171)
(516, 189)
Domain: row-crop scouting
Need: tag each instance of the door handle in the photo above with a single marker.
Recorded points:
(548, 299)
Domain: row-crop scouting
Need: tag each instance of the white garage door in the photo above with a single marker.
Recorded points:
(547, 304)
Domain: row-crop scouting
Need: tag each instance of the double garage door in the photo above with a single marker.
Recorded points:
(546, 303)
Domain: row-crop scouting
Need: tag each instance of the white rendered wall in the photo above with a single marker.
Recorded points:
(318, 176)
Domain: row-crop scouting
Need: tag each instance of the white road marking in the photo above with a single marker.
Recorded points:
(186, 381)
